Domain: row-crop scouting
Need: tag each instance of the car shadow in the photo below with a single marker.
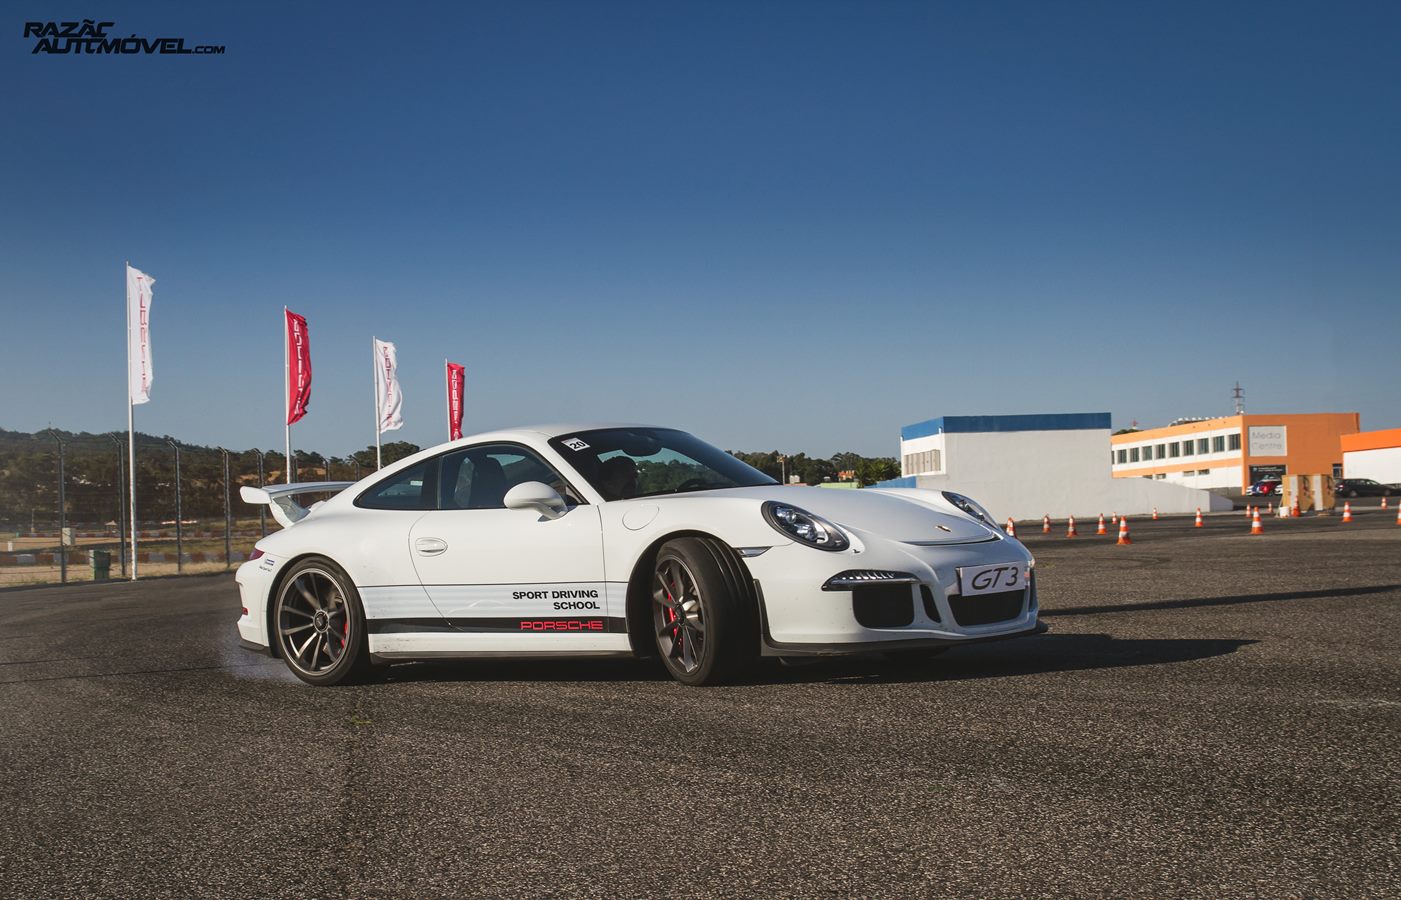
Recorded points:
(1026, 656)
(1049, 612)
(1040, 655)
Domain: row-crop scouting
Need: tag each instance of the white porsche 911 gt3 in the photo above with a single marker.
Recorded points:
(618, 541)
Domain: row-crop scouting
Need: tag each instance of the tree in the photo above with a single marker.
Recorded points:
(870, 471)
(391, 452)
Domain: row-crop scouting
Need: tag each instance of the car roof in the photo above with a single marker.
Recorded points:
(548, 430)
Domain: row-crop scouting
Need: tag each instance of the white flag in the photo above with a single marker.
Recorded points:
(390, 398)
(138, 327)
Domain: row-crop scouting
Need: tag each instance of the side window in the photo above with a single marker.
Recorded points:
(479, 477)
(413, 488)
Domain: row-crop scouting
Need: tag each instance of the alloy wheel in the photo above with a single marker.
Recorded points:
(313, 621)
(678, 611)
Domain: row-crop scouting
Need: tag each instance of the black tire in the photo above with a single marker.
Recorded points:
(704, 617)
(319, 624)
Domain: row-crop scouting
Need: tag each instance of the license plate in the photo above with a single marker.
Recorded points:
(994, 579)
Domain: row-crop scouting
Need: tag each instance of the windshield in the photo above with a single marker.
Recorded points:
(622, 463)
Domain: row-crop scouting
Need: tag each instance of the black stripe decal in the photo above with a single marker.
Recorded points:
(502, 625)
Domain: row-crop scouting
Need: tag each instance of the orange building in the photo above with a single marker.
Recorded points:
(1233, 452)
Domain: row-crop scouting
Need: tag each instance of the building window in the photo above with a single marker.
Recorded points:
(1218, 444)
(1202, 445)
(1175, 449)
(1203, 471)
(1133, 454)
(1123, 456)
(919, 463)
(1188, 448)
(1233, 441)
(1162, 451)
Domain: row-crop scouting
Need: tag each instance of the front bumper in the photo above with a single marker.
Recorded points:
(798, 618)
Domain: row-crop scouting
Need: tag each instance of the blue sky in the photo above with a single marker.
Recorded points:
(777, 225)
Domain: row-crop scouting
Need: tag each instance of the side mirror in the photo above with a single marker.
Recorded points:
(537, 496)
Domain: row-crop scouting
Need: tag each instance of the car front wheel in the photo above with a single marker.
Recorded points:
(320, 624)
(703, 617)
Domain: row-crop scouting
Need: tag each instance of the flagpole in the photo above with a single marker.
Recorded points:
(130, 420)
(286, 398)
(374, 356)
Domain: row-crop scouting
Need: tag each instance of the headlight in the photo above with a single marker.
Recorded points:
(970, 507)
(805, 527)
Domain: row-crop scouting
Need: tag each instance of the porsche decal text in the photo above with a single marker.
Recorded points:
(561, 624)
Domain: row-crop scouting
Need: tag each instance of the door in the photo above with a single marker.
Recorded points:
(510, 580)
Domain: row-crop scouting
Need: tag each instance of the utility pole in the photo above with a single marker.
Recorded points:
(62, 514)
(179, 526)
(228, 520)
(121, 500)
(262, 508)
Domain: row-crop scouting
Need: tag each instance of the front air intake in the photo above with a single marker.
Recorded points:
(883, 605)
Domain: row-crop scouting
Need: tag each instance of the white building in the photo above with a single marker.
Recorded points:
(1034, 465)
(1373, 454)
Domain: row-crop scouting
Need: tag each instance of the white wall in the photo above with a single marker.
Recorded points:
(1028, 474)
(1382, 465)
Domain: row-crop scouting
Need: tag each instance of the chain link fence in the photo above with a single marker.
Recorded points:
(65, 514)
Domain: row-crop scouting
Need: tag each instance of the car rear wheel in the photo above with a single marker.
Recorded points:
(703, 616)
(320, 624)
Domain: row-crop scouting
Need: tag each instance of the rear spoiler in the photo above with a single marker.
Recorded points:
(279, 497)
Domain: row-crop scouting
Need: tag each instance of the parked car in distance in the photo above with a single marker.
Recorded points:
(1365, 487)
(1265, 487)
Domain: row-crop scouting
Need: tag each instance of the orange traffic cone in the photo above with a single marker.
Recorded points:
(1046, 524)
(1070, 531)
(1383, 503)
(1011, 527)
(1199, 518)
(1347, 512)
(1114, 519)
(1296, 514)
(1155, 514)
(1398, 514)
(1124, 531)
(1255, 526)
(1100, 529)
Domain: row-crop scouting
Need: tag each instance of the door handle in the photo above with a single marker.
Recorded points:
(430, 546)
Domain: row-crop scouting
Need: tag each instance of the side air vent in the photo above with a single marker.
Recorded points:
(930, 609)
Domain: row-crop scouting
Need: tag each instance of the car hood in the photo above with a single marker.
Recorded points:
(912, 516)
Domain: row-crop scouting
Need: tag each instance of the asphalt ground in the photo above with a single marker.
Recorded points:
(1213, 714)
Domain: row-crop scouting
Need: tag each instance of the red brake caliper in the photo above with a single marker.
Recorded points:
(671, 614)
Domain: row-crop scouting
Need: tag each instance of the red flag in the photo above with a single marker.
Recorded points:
(457, 385)
(298, 367)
